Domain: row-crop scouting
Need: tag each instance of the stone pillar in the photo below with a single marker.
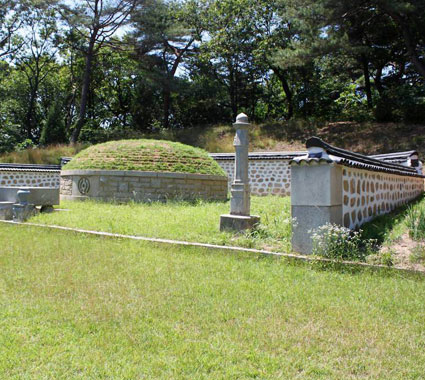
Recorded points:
(316, 199)
(240, 203)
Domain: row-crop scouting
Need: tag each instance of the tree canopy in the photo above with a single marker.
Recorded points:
(92, 70)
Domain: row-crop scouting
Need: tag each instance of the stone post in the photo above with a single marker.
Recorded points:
(239, 218)
(316, 199)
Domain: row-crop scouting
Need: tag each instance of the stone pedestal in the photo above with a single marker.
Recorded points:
(23, 212)
(239, 218)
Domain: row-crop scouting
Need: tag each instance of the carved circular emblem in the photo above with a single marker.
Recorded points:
(83, 185)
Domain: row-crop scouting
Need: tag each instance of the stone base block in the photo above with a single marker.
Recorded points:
(22, 212)
(6, 210)
(309, 218)
(238, 222)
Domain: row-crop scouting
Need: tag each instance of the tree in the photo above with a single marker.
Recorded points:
(10, 22)
(97, 21)
(165, 34)
(36, 58)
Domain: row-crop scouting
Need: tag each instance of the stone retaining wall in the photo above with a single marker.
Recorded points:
(123, 186)
(30, 177)
(332, 185)
(368, 194)
(265, 176)
(269, 173)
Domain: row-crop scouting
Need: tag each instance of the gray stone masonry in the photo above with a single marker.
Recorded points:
(123, 186)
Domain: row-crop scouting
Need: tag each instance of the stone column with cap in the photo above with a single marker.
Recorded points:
(239, 218)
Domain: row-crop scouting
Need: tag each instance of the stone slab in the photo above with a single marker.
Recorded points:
(230, 222)
(40, 196)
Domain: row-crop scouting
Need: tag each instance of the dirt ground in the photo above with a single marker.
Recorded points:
(407, 253)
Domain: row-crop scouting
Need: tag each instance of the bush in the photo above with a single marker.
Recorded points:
(26, 144)
(340, 243)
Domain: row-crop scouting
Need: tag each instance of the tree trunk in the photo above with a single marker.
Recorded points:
(30, 112)
(378, 81)
(85, 90)
(288, 93)
(232, 92)
(365, 64)
(166, 94)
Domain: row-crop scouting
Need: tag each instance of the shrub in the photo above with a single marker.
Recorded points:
(415, 221)
(26, 144)
(340, 243)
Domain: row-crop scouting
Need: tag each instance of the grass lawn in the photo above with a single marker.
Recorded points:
(75, 306)
(180, 221)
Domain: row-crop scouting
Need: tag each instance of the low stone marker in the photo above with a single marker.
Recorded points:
(19, 202)
(23, 209)
(40, 196)
(239, 218)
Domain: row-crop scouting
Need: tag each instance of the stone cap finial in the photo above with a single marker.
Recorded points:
(241, 120)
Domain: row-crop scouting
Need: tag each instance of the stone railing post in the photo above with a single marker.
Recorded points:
(240, 203)
(316, 199)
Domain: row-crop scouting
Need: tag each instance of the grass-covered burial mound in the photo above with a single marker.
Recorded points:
(146, 155)
(143, 170)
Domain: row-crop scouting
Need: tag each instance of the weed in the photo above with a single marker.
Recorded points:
(415, 222)
(340, 243)
(418, 254)
(382, 258)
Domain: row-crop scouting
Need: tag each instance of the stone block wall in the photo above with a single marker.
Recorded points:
(123, 186)
(29, 177)
(332, 185)
(325, 192)
(266, 176)
(368, 194)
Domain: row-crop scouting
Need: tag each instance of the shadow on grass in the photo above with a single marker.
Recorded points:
(381, 227)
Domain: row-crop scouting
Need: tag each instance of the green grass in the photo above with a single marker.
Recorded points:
(146, 155)
(80, 307)
(197, 222)
(388, 228)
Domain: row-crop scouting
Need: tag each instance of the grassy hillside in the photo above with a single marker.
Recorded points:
(368, 138)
